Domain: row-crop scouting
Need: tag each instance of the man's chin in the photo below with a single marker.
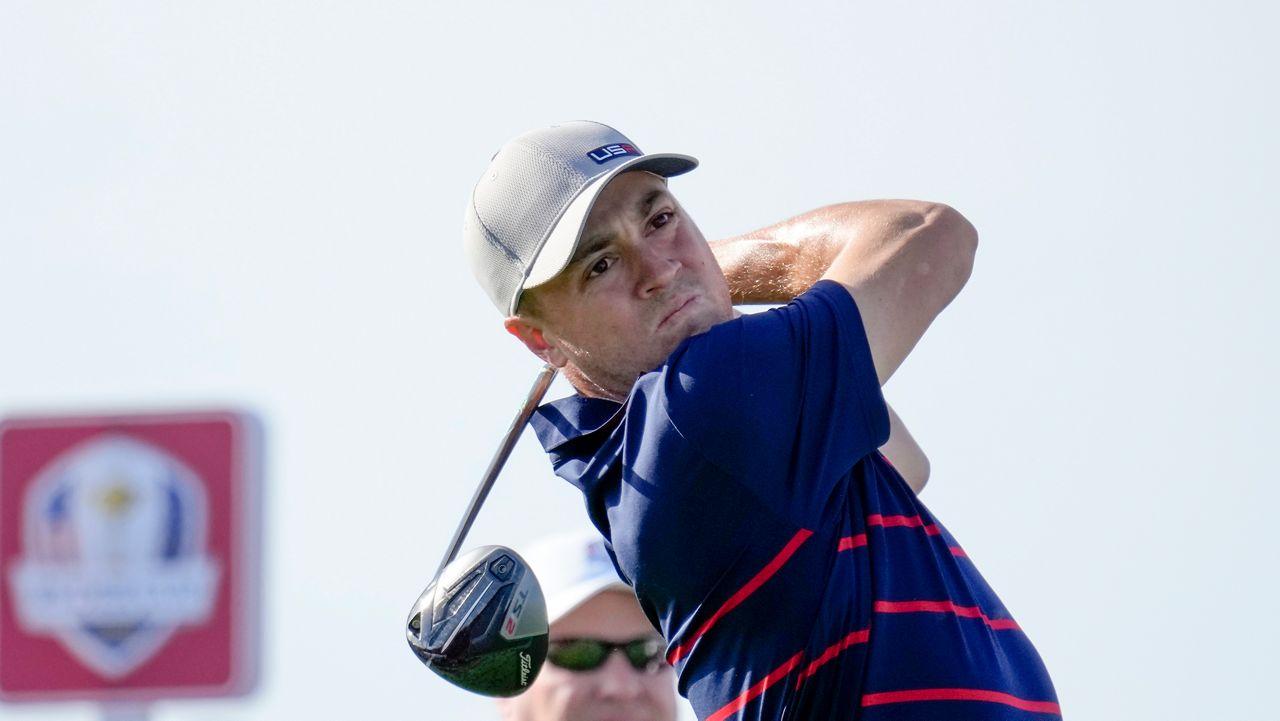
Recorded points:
(699, 323)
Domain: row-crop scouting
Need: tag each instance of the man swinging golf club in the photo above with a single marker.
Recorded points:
(751, 483)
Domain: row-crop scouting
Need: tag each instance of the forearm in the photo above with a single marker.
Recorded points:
(761, 269)
(777, 263)
(903, 261)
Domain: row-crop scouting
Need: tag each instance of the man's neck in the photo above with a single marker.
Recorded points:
(590, 389)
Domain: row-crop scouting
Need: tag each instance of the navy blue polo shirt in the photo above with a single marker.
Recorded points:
(792, 571)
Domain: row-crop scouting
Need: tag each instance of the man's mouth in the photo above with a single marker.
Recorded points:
(676, 311)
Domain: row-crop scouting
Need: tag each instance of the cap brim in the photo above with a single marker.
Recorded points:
(562, 242)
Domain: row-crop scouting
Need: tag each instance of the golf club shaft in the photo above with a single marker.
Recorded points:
(540, 385)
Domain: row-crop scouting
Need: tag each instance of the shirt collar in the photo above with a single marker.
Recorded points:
(567, 419)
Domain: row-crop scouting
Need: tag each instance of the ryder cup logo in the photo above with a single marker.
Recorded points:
(113, 562)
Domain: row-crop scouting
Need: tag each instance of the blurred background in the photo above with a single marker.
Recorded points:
(258, 205)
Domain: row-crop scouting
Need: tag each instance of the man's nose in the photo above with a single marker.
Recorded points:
(658, 269)
(618, 679)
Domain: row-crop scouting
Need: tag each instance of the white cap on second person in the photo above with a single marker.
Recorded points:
(571, 569)
(526, 213)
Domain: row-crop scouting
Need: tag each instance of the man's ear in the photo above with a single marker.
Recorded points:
(535, 340)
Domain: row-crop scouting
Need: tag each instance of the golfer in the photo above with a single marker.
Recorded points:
(751, 483)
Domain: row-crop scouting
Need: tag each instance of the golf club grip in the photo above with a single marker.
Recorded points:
(539, 389)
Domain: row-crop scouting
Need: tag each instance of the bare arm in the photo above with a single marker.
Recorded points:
(903, 261)
(905, 454)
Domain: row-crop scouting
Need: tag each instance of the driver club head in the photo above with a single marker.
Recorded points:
(481, 623)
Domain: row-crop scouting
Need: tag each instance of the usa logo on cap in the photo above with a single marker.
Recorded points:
(605, 153)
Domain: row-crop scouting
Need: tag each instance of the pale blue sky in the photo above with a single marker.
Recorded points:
(259, 204)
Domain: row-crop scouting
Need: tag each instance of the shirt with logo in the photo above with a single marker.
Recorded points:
(792, 571)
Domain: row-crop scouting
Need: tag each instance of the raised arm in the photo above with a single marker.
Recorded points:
(902, 260)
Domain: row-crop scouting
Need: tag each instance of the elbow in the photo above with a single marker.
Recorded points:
(954, 242)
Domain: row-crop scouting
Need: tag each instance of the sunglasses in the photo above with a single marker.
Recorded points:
(589, 654)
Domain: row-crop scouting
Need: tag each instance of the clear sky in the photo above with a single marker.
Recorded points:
(259, 204)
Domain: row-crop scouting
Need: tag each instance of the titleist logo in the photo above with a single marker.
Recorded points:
(526, 665)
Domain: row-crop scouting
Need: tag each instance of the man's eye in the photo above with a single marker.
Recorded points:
(661, 219)
(600, 266)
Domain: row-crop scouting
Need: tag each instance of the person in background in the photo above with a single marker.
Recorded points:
(605, 659)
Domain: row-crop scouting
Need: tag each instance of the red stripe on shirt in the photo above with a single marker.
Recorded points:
(851, 542)
(743, 593)
(832, 651)
(1000, 624)
(745, 697)
(959, 694)
(876, 519)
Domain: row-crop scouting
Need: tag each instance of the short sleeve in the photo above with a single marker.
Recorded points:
(787, 400)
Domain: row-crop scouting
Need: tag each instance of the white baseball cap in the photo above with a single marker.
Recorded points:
(572, 568)
(526, 213)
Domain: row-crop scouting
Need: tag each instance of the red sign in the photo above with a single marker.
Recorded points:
(129, 556)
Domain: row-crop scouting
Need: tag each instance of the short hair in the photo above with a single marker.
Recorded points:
(528, 306)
